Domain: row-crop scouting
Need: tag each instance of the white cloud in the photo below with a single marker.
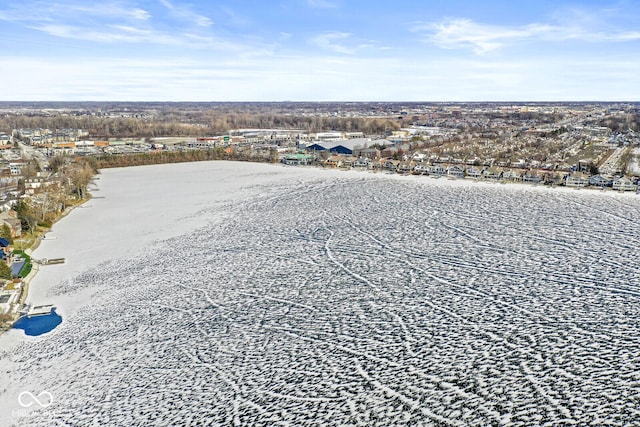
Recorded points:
(112, 22)
(331, 42)
(466, 33)
(110, 34)
(105, 10)
(120, 33)
(140, 14)
(629, 36)
(482, 38)
(185, 13)
(79, 13)
(50, 11)
(166, 4)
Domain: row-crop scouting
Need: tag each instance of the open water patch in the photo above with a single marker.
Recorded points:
(38, 325)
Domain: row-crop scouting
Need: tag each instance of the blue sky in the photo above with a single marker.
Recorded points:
(320, 50)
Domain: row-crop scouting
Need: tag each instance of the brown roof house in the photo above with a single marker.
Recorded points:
(10, 218)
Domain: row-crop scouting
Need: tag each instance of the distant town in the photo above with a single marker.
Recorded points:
(576, 144)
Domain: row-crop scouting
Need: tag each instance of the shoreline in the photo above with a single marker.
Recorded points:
(35, 267)
(425, 179)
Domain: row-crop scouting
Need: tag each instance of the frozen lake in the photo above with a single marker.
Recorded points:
(246, 294)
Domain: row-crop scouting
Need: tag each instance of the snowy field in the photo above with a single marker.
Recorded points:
(246, 294)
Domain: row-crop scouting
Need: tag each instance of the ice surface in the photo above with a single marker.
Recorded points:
(243, 294)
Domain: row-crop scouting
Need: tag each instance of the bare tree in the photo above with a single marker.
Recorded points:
(80, 177)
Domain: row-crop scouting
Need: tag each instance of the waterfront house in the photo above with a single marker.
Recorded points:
(551, 178)
(405, 167)
(437, 170)
(577, 179)
(455, 171)
(362, 162)
(512, 175)
(492, 173)
(376, 165)
(600, 181)
(474, 172)
(347, 162)
(333, 161)
(624, 184)
(391, 165)
(531, 177)
(420, 169)
(297, 159)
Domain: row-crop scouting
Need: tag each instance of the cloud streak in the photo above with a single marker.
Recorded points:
(345, 43)
(332, 42)
(113, 22)
(460, 33)
(182, 12)
(55, 11)
(116, 33)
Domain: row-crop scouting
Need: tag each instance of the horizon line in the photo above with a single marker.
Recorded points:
(326, 102)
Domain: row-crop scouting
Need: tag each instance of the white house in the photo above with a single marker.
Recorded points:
(624, 184)
(455, 171)
(577, 180)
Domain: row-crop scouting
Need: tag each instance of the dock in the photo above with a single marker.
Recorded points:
(40, 310)
(50, 261)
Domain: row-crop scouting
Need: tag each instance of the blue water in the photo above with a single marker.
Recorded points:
(38, 325)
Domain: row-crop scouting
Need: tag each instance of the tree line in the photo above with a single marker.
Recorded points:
(622, 123)
(199, 123)
(162, 157)
(67, 185)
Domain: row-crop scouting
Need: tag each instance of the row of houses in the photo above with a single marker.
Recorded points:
(85, 146)
(280, 137)
(10, 290)
(47, 136)
(583, 180)
(576, 179)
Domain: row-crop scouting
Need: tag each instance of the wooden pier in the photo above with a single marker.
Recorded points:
(50, 261)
